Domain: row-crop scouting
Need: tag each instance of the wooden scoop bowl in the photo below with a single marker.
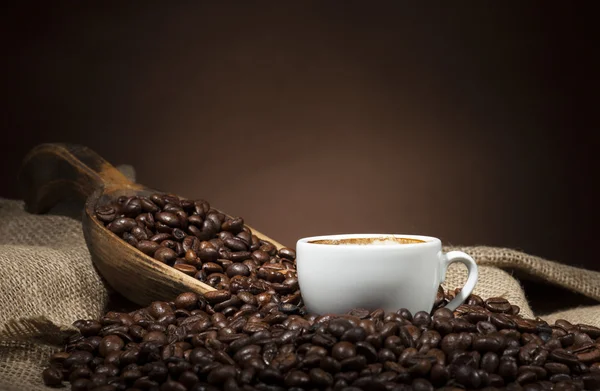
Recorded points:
(55, 172)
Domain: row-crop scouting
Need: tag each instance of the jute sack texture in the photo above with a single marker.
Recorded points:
(47, 281)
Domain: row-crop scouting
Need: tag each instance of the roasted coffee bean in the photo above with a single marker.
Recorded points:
(588, 353)
(456, 342)
(106, 213)
(148, 205)
(236, 244)
(121, 225)
(217, 296)
(354, 334)
(489, 343)
(234, 225)
(484, 327)
(508, 367)
(562, 356)
(592, 331)
(148, 247)
(422, 319)
(110, 343)
(498, 304)
(132, 207)
(160, 237)
(422, 385)
(158, 309)
(52, 376)
(165, 255)
(297, 378)
(186, 301)
(439, 375)
(502, 321)
(237, 269)
(139, 233)
(169, 219)
(343, 350)
(490, 362)
(186, 269)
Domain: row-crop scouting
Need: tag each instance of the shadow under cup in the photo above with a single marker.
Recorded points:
(337, 273)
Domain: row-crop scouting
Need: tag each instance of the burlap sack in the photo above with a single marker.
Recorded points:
(497, 282)
(47, 281)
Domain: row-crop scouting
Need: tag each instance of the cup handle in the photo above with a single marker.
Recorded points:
(459, 256)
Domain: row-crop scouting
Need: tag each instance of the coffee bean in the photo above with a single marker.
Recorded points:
(165, 255)
(562, 356)
(186, 301)
(489, 343)
(132, 207)
(106, 213)
(186, 269)
(160, 237)
(502, 321)
(52, 376)
(81, 384)
(330, 364)
(456, 342)
(439, 374)
(297, 378)
(490, 362)
(110, 343)
(233, 225)
(158, 309)
(121, 225)
(367, 350)
(526, 377)
(287, 253)
(592, 331)
(238, 269)
(355, 363)
(422, 319)
(168, 218)
(320, 378)
(559, 377)
(217, 296)
(484, 327)
(155, 336)
(148, 205)
(148, 247)
(508, 367)
(422, 385)
(354, 334)
(211, 267)
(588, 353)
(498, 304)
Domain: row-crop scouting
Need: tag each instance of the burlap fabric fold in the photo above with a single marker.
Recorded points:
(47, 281)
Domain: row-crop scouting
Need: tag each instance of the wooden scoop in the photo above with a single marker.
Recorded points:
(54, 172)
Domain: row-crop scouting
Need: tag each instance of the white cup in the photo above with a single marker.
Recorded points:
(371, 273)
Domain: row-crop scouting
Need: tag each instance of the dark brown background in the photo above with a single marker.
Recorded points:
(471, 122)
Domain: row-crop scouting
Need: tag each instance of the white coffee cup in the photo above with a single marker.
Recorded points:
(337, 273)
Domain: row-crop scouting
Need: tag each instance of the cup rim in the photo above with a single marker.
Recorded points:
(428, 241)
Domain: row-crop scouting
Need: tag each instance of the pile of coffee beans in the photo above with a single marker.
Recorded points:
(204, 243)
(241, 342)
(254, 334)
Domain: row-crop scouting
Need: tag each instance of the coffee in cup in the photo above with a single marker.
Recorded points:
(368, 240)
(337, 273)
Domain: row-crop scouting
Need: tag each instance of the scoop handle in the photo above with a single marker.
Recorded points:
(51, 173)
